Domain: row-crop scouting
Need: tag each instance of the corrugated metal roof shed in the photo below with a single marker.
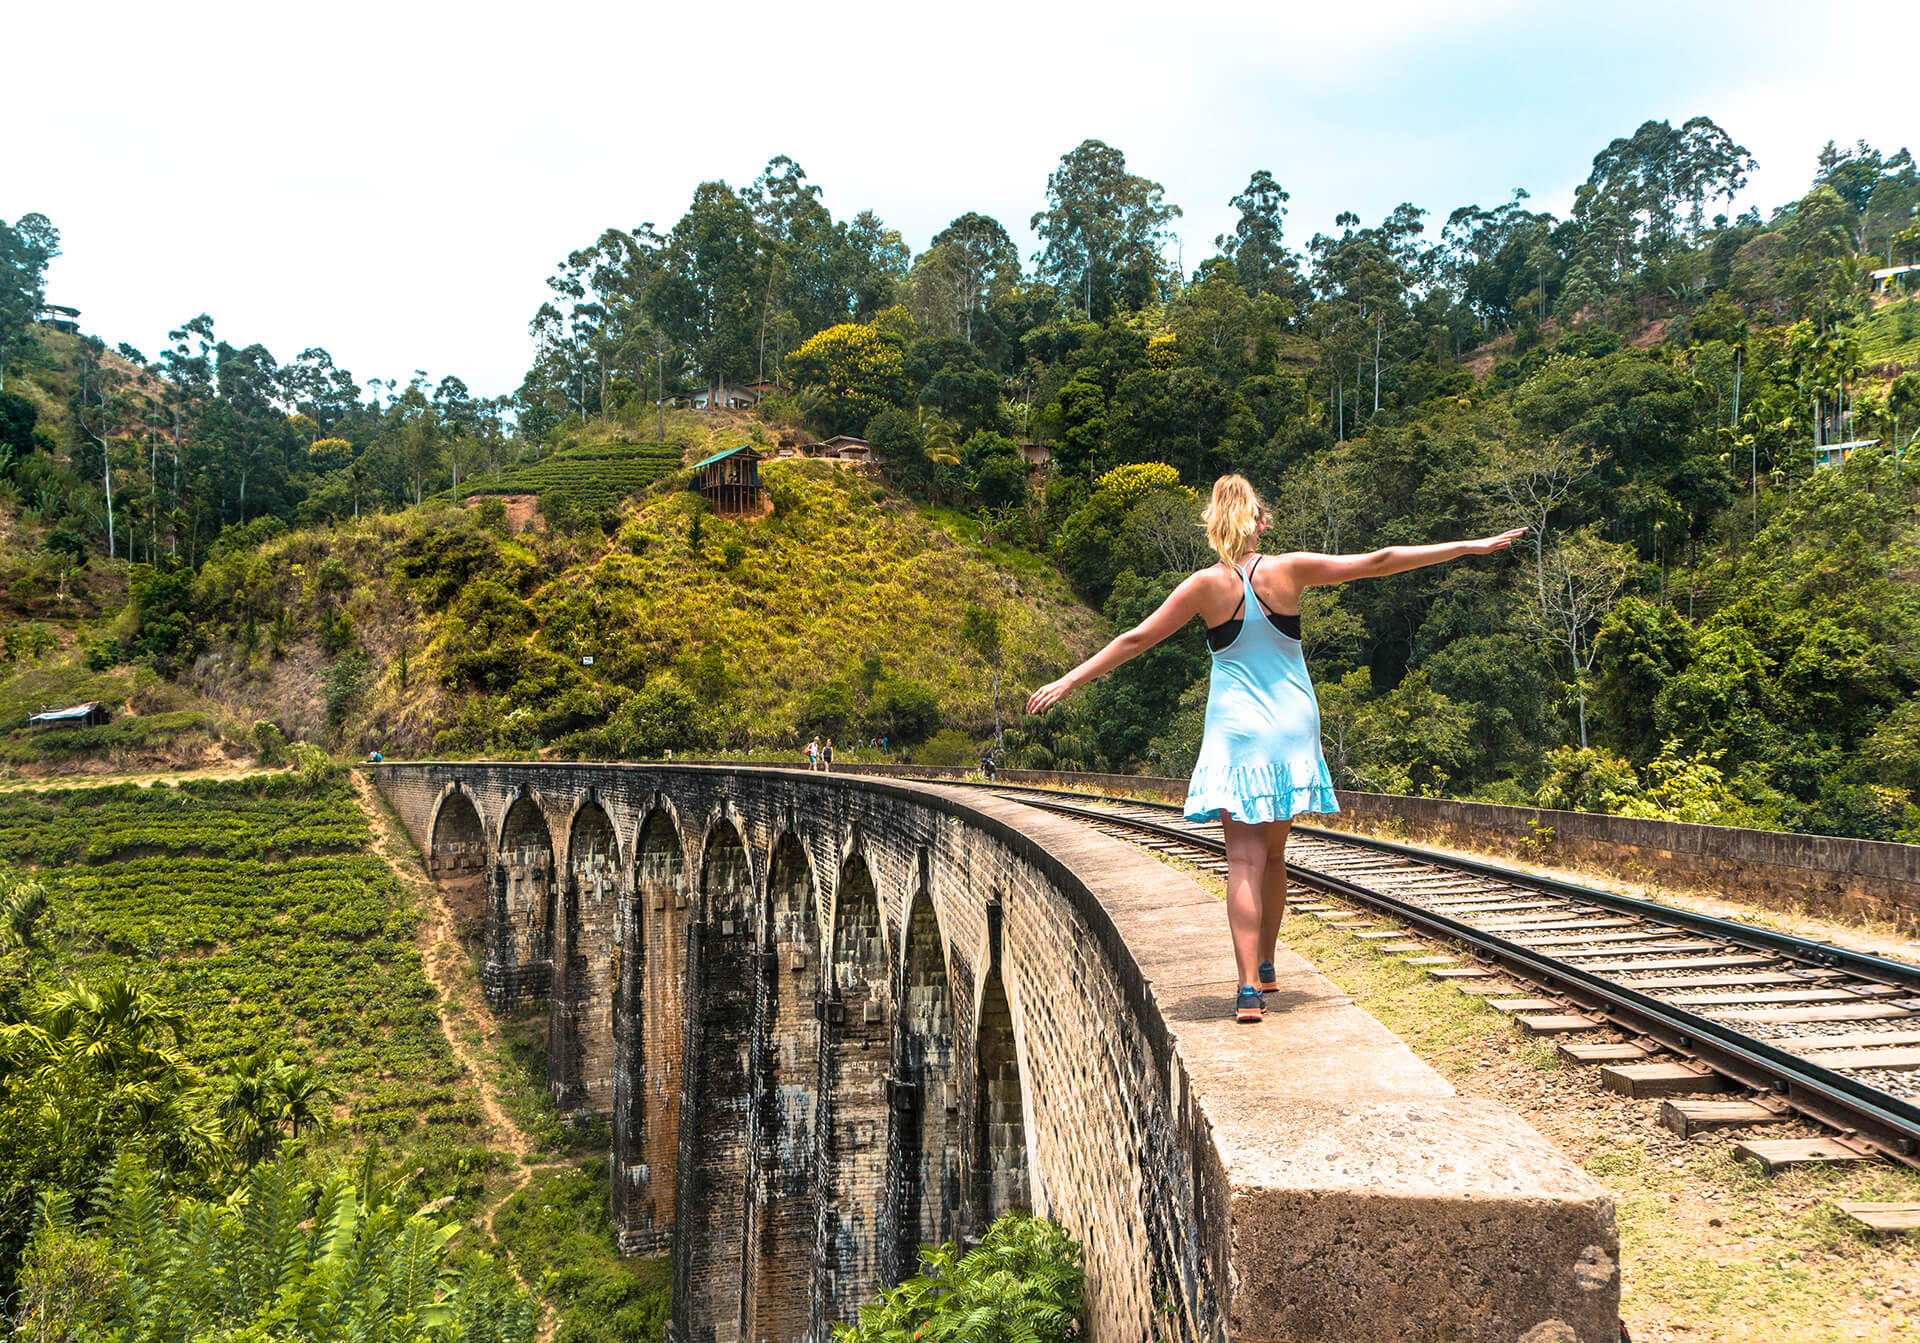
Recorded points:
(722, 455)
(74, 713)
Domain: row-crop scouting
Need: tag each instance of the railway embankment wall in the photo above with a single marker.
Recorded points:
(1850, 879)
(1824, 875)
(834, 1017)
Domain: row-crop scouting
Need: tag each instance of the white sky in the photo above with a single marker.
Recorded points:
(395, 181)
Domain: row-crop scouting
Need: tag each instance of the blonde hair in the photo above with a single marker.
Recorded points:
(1233, 517)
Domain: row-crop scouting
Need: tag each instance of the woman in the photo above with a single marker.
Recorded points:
(1260, 763)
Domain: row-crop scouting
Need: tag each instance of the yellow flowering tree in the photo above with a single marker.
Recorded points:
(328, 454)
(846, 375)
(1133, 482)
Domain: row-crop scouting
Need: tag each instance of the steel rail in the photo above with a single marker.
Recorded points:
(1880, 969)
(1869, 1119)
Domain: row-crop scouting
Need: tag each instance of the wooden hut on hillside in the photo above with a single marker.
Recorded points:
(90, 714)
(729, 481)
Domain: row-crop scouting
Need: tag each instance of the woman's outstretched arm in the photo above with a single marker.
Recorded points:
(1181, 605)
(1311, 570)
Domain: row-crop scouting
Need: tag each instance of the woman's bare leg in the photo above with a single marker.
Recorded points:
(1273, 890)
(1247, 849)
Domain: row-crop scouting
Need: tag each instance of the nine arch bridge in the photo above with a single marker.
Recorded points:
(835, 1018)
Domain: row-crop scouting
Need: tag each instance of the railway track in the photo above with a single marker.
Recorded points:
(1730, 1025)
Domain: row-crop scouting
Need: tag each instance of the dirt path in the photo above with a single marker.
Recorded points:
(463, 1015)
(171, 777)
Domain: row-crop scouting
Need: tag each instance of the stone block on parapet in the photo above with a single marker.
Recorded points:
(1369, 1200)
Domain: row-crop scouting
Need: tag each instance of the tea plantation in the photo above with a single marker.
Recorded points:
(258, 908)
(592, 477)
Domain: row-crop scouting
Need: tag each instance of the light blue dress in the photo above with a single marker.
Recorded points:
(1260, 756)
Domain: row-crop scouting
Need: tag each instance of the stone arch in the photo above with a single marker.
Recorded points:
(580, 1035)
(780, 1214)
(519, 957)
(924, 1182)
(855, 1054)
(716, 1089)
(1000, 1180)
(458, 859)
(649, 1002)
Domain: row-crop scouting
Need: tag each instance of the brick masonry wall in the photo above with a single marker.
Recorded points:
(1083, 1070)
(1113, 1139)
(1814, 874)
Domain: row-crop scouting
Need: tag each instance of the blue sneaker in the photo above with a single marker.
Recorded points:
(1249, 1006)
(1269, 983)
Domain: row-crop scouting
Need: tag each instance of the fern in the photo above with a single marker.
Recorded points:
(1022, 1284)
(256, 1267)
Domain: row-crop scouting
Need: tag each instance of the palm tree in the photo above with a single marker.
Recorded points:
(304, 1100)
(247, 1103)
(1903, 398)
(940, 449)
(21, 905)
(117, 1026)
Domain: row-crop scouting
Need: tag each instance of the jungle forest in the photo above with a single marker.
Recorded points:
(1703, 418)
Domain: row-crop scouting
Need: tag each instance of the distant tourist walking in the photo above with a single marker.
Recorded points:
(826, 756)
(1260, 763)
(813, 753)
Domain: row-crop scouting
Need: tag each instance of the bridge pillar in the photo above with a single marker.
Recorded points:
(458, 859)
(855, 1057)
(715, 1098)
(580, 1060)
(923, 1179)
(518, 965)
(786, 1048)
(650, 1011)
(1000, 1182)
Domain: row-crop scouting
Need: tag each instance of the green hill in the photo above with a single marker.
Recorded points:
(435, 629)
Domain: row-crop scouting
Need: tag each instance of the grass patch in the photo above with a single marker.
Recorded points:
(56, 684)
(560, 1233)
(792, 601)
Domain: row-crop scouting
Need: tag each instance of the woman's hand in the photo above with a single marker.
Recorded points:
(1048, 695)
(1486, 545)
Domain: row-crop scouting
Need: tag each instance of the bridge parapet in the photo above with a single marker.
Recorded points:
(841, 1015)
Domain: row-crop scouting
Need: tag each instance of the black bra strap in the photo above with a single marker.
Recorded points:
(1265, 610)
